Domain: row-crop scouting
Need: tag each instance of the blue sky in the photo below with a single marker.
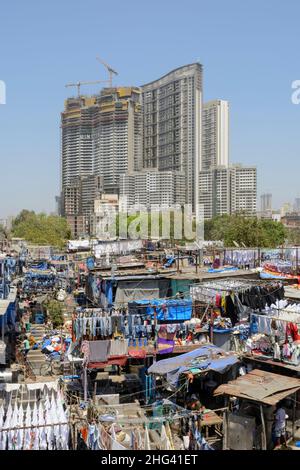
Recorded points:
(250, 54)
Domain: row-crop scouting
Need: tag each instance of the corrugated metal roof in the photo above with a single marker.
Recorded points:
(261, 386)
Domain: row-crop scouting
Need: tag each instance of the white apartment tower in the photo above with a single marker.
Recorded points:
(153, 188)
(214, 191)
(215, 134)
(172, 115)
(243, 189)
(228, 190)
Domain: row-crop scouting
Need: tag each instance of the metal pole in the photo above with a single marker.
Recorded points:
(225, 426)
(85, 384)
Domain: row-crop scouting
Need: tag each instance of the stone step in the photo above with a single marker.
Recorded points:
(36, 363)
(35, 352)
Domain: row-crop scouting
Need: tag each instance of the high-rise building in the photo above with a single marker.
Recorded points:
(243, 189)
(286, 209)
(214, 191)
(215, 134)
(266, 202)
(78, 202)
(78, 124)
(118, 143)
(101, 138)
(297, 205)
(172, 115)
(153, 188)
(228, 190)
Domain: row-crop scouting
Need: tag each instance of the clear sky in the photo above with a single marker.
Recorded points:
(250, 54)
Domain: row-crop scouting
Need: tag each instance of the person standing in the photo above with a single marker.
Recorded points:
(280, 425)
(26, 346)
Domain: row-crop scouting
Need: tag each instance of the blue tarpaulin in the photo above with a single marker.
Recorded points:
(168, 309)
(198, 359)
(90, 263)
(221, 270)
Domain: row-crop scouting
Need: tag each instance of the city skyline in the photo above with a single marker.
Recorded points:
(254, 75)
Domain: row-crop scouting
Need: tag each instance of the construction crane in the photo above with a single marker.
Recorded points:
(110, 70)
(78, 84)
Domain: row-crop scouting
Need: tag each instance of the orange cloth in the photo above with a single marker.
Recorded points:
(84, 433)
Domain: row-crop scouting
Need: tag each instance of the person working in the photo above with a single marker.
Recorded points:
(194, 404)
(26, 346)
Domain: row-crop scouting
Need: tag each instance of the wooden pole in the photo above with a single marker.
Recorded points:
(294, 414)
(264, 435)
(85, 384)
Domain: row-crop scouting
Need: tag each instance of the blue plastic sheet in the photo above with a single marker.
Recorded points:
(200, 358)
(168, 309)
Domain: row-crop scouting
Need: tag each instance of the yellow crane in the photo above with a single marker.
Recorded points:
(78, 84)
(110, 70)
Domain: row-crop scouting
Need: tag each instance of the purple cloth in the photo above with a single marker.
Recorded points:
(165, 346)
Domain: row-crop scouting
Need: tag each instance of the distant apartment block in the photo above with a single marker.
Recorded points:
(151, 187)
(243, 189)
(266, 202)
(78, 202)
(291, 220)
(228, 190)
(214, 191)
(286, 209)
(215, 134)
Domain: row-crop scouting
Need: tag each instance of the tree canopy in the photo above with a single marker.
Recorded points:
(248, 231)
(55, 312)
(41, 229)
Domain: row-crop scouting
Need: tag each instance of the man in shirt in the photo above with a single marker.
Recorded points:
(26, 346)
(280, 425)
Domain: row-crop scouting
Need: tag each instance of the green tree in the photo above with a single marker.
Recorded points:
(55, 313)
(41, 229)
(248, 231)
(4, 233)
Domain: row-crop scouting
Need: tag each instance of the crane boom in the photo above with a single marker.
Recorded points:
(78, 84)
(110, 70)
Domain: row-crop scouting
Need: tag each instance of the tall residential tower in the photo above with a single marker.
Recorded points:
(172, 114)
(215, 134)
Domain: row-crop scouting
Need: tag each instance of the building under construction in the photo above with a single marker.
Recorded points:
(101, 136)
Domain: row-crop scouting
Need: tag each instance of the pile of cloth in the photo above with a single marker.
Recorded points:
(53, 346)
(259, 344)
